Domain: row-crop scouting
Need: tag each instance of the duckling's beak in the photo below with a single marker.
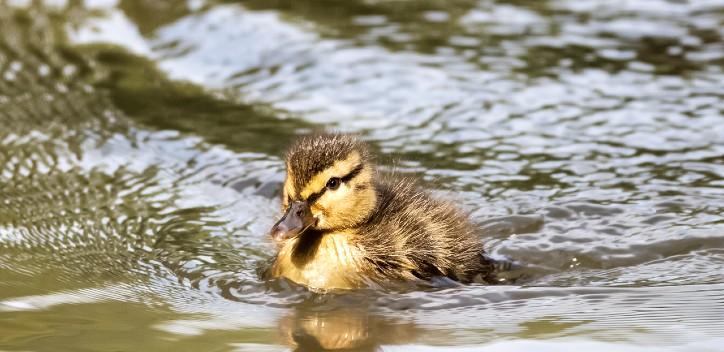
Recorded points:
(297, 219)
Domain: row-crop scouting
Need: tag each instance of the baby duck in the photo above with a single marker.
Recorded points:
(343, 227)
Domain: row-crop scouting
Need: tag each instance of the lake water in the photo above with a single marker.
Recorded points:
(140, 146)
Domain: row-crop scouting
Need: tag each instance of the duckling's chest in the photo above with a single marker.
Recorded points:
(334, 261)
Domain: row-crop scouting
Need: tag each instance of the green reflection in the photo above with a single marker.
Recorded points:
(144, 94)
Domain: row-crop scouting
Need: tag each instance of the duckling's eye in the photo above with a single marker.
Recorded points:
(333, 183)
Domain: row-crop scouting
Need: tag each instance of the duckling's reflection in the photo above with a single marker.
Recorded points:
(344, 329)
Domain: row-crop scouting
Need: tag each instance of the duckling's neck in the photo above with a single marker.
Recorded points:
(325, 260)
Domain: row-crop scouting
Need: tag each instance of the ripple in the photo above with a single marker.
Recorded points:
(140, 168)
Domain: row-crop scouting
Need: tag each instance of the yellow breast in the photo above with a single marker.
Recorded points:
(333, 262)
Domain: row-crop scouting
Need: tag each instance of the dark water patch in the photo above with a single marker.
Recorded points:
(557, 34)
(151, 15)
(144, 94)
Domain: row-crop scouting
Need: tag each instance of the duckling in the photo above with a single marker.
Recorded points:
(344, 227)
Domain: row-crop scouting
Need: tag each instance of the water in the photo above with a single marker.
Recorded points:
(140, 163)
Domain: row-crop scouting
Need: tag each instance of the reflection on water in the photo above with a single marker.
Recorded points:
(345, 329)
(140, 168)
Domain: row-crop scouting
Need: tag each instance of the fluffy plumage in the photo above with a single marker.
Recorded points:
(368, 230)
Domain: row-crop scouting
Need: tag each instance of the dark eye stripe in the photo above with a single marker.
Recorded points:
(314, 196)
(352, 173)
(346, 178)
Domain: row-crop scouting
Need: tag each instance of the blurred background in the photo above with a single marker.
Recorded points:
(140, 165)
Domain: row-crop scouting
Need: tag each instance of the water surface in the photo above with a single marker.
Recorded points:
(140, 167)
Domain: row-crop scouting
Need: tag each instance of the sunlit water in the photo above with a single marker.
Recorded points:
(140, 166)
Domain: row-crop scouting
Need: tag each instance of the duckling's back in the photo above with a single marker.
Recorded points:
(412, 235)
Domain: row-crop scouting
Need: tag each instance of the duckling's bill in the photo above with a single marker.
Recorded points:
(295, 221)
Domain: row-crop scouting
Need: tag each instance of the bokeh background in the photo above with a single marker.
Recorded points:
(140, 165)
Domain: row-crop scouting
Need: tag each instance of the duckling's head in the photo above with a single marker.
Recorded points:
(329, 185)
